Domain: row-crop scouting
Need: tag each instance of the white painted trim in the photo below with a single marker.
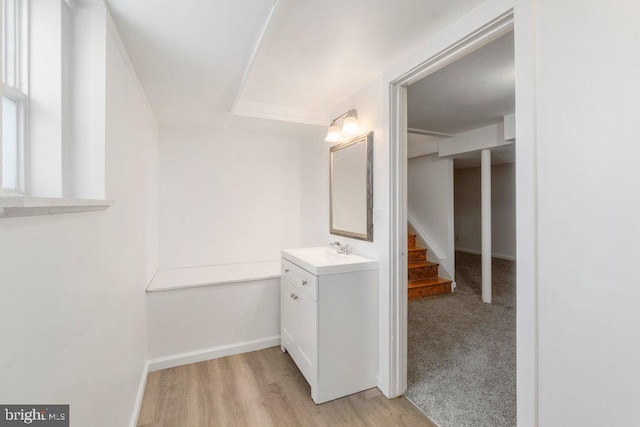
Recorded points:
(212, 353)
(30, 206)
(13, 93)
(19, 93)
(172, 279)
(493, 255)
(252, 58)
(113, 30)
(139, 396)
(280, 112)
(497, 19)
(527, 215)
(396, 100)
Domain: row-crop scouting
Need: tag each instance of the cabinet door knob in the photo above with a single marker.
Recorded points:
(286, 270)
(294, 297)
(304, 283)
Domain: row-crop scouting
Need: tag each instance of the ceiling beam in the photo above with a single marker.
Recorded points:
(429, 132)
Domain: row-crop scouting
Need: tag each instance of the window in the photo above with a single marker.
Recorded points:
(52, 141)
(52, 146)
(14, 97)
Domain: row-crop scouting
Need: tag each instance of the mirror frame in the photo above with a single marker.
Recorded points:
(368, 140)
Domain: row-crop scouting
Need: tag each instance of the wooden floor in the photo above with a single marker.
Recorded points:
(262, 388)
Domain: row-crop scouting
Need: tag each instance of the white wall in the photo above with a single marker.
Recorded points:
(421, 145)
(588, 211)
(430, 206)
(72, 305)
(83, 152)
(468, 232)
(578, 210)
(372, 103)
(227, 197)
(315, 200)
(314, 191)
(213, 320)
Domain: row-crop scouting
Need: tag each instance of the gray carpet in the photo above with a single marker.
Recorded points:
(462, 352)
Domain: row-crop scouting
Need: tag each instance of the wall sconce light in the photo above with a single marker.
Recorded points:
(349, 127)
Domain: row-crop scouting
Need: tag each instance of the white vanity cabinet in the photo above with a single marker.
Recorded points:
(329, 320)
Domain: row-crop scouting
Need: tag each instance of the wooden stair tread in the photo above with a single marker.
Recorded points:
(418, 264)
(428, 282)
(423, 280)
(416, 254)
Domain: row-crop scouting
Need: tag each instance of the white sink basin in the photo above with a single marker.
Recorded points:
(325, 260)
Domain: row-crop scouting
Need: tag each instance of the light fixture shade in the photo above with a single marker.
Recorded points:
(334, 134)
(350, 126)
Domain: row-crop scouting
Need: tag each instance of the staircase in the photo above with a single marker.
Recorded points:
(423, 275)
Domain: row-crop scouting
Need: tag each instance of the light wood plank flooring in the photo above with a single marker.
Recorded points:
(262, 388)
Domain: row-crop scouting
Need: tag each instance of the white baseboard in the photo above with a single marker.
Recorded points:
(139, 396)
(382, 386)
(212, 353)
(494, 255)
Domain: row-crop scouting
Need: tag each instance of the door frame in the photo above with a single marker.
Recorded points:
(526, 176)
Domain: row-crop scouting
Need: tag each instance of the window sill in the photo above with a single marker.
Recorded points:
(28, 206)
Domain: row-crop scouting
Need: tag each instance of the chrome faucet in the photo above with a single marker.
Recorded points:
(342, 249)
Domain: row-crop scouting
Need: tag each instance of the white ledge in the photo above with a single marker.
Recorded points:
(28, 206)
(191, 277)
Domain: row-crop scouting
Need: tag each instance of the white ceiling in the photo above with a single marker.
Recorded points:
(315, 54)
(473, 92)
(191, 55)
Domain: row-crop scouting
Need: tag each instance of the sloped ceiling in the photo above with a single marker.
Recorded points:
(190, 55)
(196, 62)
(315, 54)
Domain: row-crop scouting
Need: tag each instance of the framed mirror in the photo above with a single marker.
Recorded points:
(351, 188)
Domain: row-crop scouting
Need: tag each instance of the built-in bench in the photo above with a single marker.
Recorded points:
(201, 313)
(190, 277)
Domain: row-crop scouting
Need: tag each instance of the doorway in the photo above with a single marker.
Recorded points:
(461, 345)
(396, 103)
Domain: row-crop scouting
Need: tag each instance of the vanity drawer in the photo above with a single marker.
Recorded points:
(301, 278)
